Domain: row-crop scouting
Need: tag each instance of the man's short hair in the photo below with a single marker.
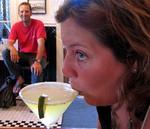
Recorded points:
(25, 3)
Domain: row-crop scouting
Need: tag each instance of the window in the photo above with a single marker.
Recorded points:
(4, 19)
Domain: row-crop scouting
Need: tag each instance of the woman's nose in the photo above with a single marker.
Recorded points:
(68, 69)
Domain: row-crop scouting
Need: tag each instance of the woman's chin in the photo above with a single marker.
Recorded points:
(91, 101)
(95, 102)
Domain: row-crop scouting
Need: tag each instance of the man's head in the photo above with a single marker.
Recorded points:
(25, 12)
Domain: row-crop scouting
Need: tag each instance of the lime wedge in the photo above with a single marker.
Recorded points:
(41, 107)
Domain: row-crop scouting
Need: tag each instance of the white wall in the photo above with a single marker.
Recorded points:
(48, 20)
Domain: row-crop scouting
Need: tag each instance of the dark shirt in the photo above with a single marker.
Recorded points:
(104, 114)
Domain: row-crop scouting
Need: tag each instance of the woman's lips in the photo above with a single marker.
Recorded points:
(80, 92)
(73, 85)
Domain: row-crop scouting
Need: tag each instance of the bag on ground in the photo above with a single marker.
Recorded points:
(7, 98)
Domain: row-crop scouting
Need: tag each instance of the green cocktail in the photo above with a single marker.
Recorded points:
(57, 97)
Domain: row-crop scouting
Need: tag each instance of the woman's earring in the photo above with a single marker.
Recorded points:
(134, 70)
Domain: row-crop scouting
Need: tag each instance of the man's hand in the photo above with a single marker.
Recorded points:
(14, 56)
(36, 68)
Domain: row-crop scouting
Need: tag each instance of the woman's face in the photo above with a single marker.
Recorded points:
(91, 67)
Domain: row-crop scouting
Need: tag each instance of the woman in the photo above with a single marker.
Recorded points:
(107, 44)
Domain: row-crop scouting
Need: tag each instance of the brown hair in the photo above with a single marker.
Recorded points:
(123, 26)
(25, 3)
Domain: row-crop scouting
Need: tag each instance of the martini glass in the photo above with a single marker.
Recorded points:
(48, 100)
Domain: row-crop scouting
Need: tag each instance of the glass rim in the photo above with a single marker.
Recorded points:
(47, 84)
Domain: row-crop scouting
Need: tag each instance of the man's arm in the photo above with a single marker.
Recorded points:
(41, 49)
(13, 51)
(36, 67)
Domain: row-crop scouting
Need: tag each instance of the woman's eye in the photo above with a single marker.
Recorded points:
(80, 55)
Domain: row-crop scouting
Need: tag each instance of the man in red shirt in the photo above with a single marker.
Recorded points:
(31, 36)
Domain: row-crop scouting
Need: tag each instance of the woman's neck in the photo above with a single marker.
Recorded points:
(124, 119)
(121, 116)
